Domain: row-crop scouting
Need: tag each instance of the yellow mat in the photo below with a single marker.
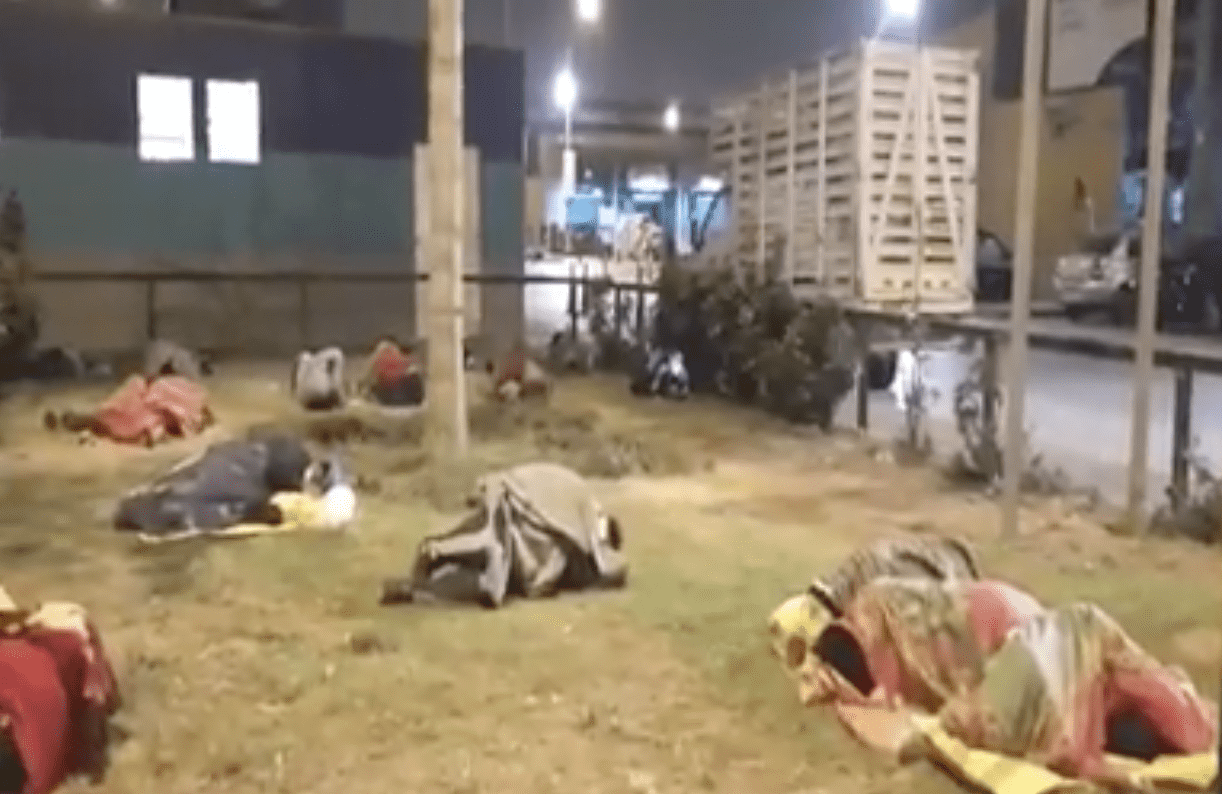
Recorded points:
(302, 512)
(1004, 775)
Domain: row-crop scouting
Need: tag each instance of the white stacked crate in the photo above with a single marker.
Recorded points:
(863, 168)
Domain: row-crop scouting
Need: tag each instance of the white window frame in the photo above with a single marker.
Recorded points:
(235, 121)
(165, 111)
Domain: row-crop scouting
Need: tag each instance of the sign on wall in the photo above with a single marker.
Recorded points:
(1084, 35)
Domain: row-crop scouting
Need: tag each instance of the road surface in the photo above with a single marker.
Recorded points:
(1078, 410)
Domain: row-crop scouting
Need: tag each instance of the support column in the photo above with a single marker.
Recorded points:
(1015, 459)
(446, 396)
(1147, 293)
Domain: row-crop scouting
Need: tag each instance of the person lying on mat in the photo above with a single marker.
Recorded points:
(1069, 687)
(231, 483)
(916, 642)
(826, 598)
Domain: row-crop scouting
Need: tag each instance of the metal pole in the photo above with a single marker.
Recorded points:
(1202, 197)
(1151, 250)
(447, 431)
(570, 177)
(1181, 436)
(1024, 244)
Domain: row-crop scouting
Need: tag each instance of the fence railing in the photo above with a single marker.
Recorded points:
(305, 284)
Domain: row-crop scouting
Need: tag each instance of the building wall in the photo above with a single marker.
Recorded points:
(333, 190)
(1082, 137)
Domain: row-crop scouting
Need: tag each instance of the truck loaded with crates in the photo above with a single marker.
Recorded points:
(856, 176)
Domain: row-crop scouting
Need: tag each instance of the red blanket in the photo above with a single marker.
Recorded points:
(390, 364)
(56, 691)
(146, 412)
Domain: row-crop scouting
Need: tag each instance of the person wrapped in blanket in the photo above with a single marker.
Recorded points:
(393, 376)
(517, 376)
(144, 410)
(57, 695)
(797, 622)
(232, 483)
(911, 641)
(1067, 688)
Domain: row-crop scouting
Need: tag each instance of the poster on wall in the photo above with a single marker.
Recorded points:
(1084, 36)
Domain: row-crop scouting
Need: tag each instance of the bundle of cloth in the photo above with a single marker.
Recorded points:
(660, 372)
(535, 530)
(57, 695)
(980, 676)
(241, 487)
(517, 376)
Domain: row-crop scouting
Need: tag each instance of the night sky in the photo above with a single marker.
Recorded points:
(657, 49)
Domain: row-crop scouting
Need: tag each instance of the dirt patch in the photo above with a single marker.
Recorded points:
(507, 434)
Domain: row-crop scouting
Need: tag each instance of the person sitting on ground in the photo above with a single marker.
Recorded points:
(914, 641)
(57, 695)
(163, 357)
(517, 376)
(393, 376)
(660, 372)
(318, 379)
(1069, 687)
(142, 411)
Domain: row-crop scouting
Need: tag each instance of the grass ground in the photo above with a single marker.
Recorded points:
(266, 665)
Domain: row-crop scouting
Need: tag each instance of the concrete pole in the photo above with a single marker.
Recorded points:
(1151, 250)
(1024, 250)
(446, 427)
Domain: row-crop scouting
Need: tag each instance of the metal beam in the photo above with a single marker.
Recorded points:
(1202, 198)
(1024, 245)
(1151, 254)
(446, 402)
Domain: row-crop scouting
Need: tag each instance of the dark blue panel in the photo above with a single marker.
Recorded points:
(71, 76)
(495, 99)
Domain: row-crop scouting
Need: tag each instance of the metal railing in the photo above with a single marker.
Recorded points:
(301, 282)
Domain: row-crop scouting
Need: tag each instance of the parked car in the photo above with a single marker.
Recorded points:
(1101, 279)
(994, 268)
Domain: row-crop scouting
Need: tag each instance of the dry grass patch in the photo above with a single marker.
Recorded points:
(265, 665)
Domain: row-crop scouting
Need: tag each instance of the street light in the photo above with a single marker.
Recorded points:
(564, 91)
(907, 9)
(589, 11)
(670, 119)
